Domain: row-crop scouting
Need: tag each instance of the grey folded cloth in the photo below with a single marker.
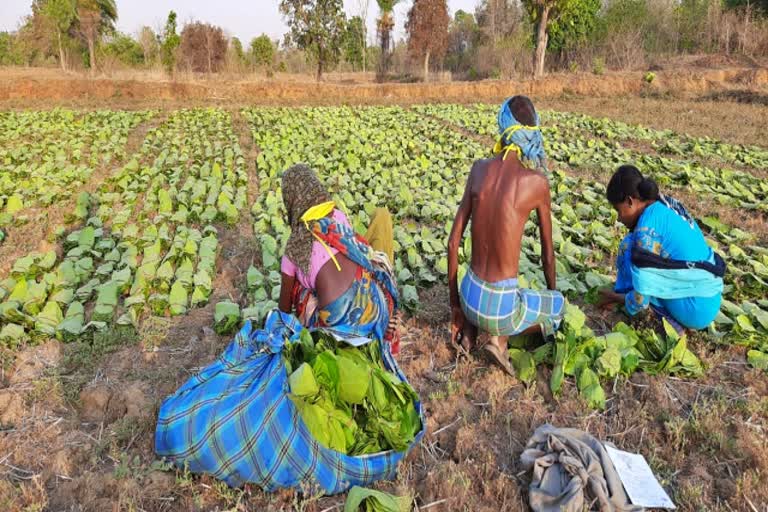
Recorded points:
(571, 470)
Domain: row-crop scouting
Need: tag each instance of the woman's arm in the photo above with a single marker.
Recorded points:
(286, 290)
(609, 298)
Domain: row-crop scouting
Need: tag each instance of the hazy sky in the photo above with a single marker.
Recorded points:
(242, 18)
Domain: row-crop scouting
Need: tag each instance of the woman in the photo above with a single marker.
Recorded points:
(332, 277)
(664, 262)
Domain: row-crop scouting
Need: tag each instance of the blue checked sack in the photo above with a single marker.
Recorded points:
(234, 420)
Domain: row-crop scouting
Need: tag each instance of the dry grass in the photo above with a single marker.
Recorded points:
(704, 438)
(736, 123)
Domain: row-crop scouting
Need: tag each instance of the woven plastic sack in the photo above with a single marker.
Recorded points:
(234, 420)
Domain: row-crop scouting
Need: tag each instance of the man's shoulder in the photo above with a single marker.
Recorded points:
(480, 164)
(536, 178)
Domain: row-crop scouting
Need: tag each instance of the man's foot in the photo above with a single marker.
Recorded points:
(500, 357)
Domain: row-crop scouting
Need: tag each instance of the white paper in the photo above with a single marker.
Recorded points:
(642, 487)
(355, 341)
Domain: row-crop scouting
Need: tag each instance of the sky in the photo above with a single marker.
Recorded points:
(244, 19)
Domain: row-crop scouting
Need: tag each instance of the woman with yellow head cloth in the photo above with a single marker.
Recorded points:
(332, 277)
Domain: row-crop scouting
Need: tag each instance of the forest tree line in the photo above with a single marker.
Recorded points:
(500, 39)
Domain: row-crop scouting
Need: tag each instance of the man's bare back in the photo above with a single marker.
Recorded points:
(499, 197)
(502, 195)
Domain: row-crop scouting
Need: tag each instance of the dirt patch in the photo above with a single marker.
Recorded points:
(11, 407)
(725, 61)
(32, 362)
(26, 88)
(94, 401)
(748, 97)
(478, 421)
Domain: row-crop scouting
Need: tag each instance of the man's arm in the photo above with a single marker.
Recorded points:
(544, 213)
(454, 241)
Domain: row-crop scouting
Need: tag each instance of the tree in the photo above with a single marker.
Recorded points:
(9, 56)
(60, 14)
(384, 26)
(362, 9)
(427, 28)
(497, 19)
(262, 53)
(171, 41)
(125, 49)
(237, 48)
(203, 47)
(149, 46)
(463, 38)
(544, 13)
(95, 18)
(317, 27)
(353, 52)
(576, 24)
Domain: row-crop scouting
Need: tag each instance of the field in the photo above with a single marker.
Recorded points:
(122, 229)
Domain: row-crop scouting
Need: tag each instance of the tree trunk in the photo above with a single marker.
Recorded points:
(208, 44)
(319, 66)
(364, 41)
(62, 60)
(92, 54)
(426, 67)
(385, 29)
(541, 43)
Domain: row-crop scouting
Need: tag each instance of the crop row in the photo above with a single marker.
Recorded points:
(149, 246)
(46, 155)
(569, 142)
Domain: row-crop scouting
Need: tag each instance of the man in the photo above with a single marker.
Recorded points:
(500, 194)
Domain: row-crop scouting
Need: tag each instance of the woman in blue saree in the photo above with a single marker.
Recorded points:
(664, 263)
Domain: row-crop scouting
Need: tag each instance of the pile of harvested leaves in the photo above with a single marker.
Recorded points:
(588, 358)
(347, 398)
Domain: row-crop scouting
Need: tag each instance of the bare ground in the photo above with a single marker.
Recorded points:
(26, 87)
(705, 438)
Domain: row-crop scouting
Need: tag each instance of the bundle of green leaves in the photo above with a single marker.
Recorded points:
(347, 398)
(579, 353)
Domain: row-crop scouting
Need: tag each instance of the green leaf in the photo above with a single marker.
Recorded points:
(14, 204)
(354, 380)
(375, 501)
(255, 278)
(524, 365)
(745, 323)
(302, 382)
(758, 359)
(226, 317)
(410, 295)
(178, 299)
(590, 389)
(48, 319)
(574, 318)
(609, 363)
(12, 335)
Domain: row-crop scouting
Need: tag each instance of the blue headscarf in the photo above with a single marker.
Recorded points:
(514, 136)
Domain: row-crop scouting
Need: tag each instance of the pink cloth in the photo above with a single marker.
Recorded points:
(317, 260)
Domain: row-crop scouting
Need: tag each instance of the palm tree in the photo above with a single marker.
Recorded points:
(95, 17)
(384, 26)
